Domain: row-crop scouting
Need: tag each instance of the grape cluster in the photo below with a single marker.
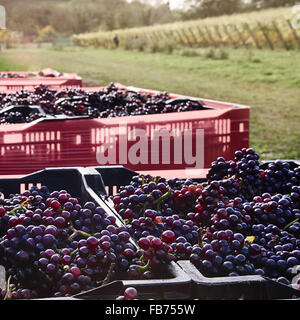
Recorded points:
(156, 250)
(53, 246)
(245, 169)
(150, 207)
(108, 103)
(182, 107)
(163, 197)
(220, 169)
(18, 117)
(245, 219)
(280, 178)
(185, 197)
(9, 75)
(276, 252)
(225, 253)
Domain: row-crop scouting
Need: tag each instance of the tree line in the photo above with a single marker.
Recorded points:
(209, 8)
(68, 17)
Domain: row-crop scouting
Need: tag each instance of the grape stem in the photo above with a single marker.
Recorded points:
(77, 233)
(144, 207)
(163, 197)
(127, 221)
(290, 224)
(109, 273)
(73, 252)
(8, 291)
(144, 268)
(12, 212)
(200, 237)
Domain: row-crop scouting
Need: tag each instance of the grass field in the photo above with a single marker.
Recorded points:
(267, 81)
(6, 65)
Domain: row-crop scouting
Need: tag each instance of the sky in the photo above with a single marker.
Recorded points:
(178, 4)
(174, 4)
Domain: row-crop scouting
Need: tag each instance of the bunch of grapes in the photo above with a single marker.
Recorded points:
(149, 224)
(150, 208)
(149, 199)
(224, 253)
(232, 216)
(233, 224)
(219, 169)
(210, 199)
(51, 245)
(250, 179)
(275, 252)
(132, 202)
(278, 209)
(108, 103)
(10, 75)
(245, 170)
(279, 177)
(156, 251)
(184, 199)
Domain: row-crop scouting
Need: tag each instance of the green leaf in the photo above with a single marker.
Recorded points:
(250, 239)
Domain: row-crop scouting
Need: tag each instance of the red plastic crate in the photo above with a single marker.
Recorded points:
(25, 148)
(45, 73)
(48, 77)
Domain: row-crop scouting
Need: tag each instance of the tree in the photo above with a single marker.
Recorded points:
(277, 3)
(208, 8)
(47, 34)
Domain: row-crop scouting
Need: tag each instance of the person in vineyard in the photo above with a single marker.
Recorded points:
(116, 40)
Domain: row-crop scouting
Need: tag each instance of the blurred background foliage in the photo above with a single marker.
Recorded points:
(68, 17)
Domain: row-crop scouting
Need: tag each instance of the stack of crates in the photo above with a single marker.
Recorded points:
(29, 80)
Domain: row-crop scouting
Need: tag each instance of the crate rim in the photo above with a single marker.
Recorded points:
(199, 278)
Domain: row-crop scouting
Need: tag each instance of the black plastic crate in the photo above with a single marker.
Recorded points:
(75, 180)
(114, 177)
(86, 184)
(111, 179)
(178, 286)
(251, 287)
